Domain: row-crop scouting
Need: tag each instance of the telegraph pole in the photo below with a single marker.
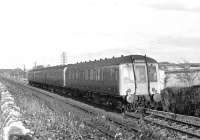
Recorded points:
(35, 64)
(24, 68)
(24, 75)
(63, 58)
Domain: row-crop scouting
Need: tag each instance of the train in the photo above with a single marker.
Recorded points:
(125, 82)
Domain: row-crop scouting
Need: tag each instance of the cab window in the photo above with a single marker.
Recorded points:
(128, 76)
(152, 74)
(140, 73)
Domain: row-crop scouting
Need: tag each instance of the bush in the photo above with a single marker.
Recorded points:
(185, 100)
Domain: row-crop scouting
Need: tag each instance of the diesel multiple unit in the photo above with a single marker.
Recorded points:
(123, 79)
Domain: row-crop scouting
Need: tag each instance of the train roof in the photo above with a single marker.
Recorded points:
(105, 62)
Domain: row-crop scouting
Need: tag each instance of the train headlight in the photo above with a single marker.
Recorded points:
(131, 98)
(154, 91)
(128, 91)
(157, 97)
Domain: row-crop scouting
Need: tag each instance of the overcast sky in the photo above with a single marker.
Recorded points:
(40, 30)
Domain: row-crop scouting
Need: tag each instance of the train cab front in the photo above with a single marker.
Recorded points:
(134, 83)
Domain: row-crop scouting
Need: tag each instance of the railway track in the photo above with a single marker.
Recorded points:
(185, 125)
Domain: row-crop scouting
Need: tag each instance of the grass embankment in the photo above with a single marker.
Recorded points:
(51, 120)
(54, 122)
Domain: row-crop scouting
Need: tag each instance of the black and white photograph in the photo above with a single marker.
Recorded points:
(99, 70)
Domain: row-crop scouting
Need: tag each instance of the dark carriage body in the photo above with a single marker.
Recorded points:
(102, 77)
(51, 76)
(99, 76)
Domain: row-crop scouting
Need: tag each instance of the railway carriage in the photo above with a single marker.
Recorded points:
(37, 76)
(30, 76)
(55, 76)
(126, 79)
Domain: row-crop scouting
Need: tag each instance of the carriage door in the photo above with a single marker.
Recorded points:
(141, 79)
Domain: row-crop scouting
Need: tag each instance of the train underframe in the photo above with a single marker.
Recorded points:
(115, 102)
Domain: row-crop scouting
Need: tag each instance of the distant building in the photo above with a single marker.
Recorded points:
(180, 78)
(180, 75)
(14, 73)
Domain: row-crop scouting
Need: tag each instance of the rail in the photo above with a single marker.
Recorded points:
(180, 123)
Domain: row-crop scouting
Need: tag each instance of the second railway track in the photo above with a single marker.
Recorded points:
(185, 125)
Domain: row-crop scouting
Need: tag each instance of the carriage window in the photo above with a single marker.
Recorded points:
(102, 69)
(91, 74)
(79, 75)
(72, 75)
(86, 75)
(82, 75)
(152, 74)
(98, 74)
(140, 73)
(76, 75)
(112, 73)
(128, 76)
(69, 75)
(116, 74)
(95, 74)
